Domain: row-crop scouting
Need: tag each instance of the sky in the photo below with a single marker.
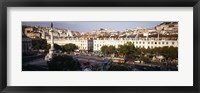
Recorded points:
(88, 26)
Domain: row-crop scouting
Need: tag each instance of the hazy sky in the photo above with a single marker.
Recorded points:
(87, 26)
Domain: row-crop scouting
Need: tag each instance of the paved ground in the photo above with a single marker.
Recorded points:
(36, 65)
(40, 64)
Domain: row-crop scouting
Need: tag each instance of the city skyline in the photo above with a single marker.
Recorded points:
(88, 26)
(137, 49)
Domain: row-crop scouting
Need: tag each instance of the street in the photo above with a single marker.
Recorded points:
(39, 64)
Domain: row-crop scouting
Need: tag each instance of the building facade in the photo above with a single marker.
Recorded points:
(139, 43)
(83, 44)
(96, 44)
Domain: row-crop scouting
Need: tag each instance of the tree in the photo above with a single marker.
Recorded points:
(111, 49)
(108, 50)
(174, 52)
(145, 59)
(127, 49)
(39, 43)
(104, 50)
(56, 46)
(48, 46)
(170, 52)
(64, 63)
(69, 47)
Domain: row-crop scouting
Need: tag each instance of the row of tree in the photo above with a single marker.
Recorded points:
(125, 49)
(42, 44)
(129, 51)
(108, 50)
(168, 52)
(65, 48)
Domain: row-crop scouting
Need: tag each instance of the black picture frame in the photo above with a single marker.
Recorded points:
(100, 3)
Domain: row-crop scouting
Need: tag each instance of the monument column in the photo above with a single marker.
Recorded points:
(52, 40)
(49, 56)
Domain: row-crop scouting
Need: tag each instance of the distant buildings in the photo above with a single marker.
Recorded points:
(29, 32)
(164, 34)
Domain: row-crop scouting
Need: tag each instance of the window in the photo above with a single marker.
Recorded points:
(148, 42)
(172, 43)
(163, 42)
(143, 42)
(158, 42)
(151, 42)
(155, 42)
(166, 42)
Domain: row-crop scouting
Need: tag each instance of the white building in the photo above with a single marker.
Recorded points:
(83, 44)
(96, 44)
(139, 43)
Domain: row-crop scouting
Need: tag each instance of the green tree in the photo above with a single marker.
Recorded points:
(145, 59)
(170, 52)
(69, 47)
(48, 46)
(111, 49)
(104, 49)
(56, 46)
(127, 49)
(39, 43)
(108, 50)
